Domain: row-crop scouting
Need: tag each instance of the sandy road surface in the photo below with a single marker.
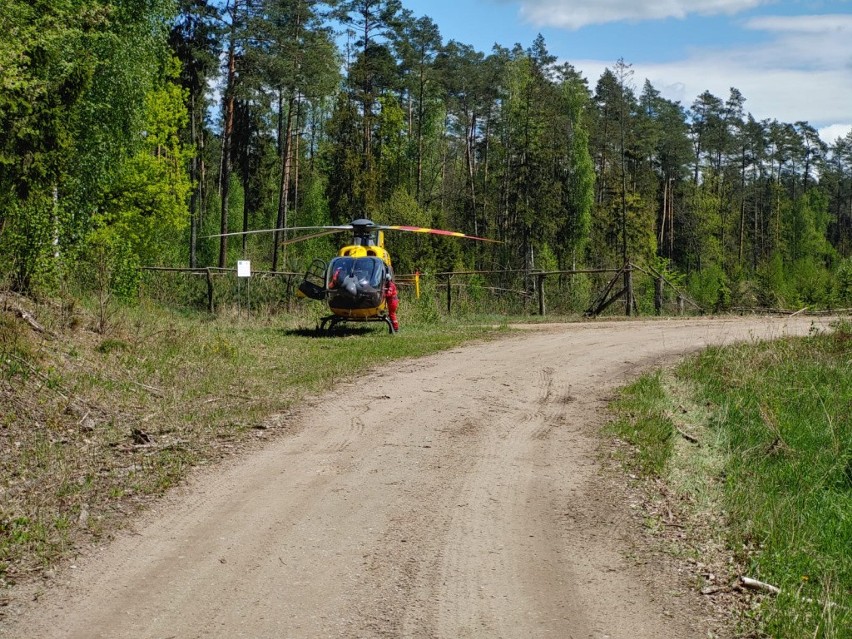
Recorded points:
(458, 496)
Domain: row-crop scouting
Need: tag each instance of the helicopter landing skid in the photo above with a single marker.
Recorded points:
(334, 320)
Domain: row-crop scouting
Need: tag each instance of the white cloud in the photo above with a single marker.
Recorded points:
(804, 42)
(573, 14)
(830, 134)
(803, 73)
(818, 24)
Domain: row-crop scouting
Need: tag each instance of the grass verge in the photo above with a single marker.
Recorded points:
(92, 426)
(759, 438)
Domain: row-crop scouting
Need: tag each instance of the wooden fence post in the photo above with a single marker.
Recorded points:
(680, 304)
(658, 295)
(540, 282)
(449, 293)
(210, 306)
(628, 288)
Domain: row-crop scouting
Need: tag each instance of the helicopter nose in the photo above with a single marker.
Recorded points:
(350, 285)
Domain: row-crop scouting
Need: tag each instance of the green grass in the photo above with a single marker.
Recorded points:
(779, 419)
(92, 426)
(643, 410)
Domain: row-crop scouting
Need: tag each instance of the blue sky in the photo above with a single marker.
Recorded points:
(791, 59)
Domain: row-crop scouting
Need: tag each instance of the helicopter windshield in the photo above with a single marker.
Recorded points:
(368, 271)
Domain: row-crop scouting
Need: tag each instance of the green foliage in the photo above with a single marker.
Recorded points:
(147, 200)
(392, 143)
(773, 291)
(807, 221)
(314, 211)
(842, 284)
(545, 258)
(804, 282)
(410, 251)
(641, 239)
(810, 282)
(608, 225)
(343, 162)
(710, 288)
(131, 62)
(580, 192)
(110, 264)
(28, 240)
(579, 294)
(75, 109)
(706, 238)
(665, 267)
(46, 71)
(423, 310)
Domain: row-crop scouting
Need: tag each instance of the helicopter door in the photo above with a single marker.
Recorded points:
(313, 285)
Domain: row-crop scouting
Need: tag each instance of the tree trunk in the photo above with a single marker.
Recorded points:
(196, 185)
(296, 158)
(246, 186)
(742, 207)
(202, 184)
(671, 220)
(628, 289)
(420, 116)
(665, 210)
(471, 171)
(284, 183)
(484, 197)
(226, 139)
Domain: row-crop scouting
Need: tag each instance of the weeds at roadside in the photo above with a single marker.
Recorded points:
(767, 479)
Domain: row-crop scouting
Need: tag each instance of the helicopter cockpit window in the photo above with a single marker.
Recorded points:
(367, 271)
(338, 269)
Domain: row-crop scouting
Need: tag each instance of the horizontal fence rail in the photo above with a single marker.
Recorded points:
(633, 287)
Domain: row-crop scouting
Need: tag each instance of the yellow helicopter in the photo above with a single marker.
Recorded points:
(356, 283)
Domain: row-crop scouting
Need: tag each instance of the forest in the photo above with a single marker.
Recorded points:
(135, 131)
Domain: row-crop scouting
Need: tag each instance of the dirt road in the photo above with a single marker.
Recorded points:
(455, 496)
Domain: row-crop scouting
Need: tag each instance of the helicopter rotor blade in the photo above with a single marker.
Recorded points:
(421, 229)
(294, 240)
(330, 229)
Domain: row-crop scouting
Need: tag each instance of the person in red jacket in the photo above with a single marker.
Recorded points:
(392, 298)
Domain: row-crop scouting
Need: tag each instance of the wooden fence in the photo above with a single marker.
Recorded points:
(606, 296)
(211, 272)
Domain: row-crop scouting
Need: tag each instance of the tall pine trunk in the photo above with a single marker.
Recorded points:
(284, 182)
(296, 154)
(194, 198)
(471, 169)
(226, 139)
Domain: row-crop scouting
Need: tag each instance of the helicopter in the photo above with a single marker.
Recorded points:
(355, 283)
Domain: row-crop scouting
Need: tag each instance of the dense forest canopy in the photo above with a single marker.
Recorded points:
(132, 130)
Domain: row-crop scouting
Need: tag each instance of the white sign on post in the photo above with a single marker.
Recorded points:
(243, 268)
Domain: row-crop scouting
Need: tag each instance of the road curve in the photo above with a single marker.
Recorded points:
(458, 495)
